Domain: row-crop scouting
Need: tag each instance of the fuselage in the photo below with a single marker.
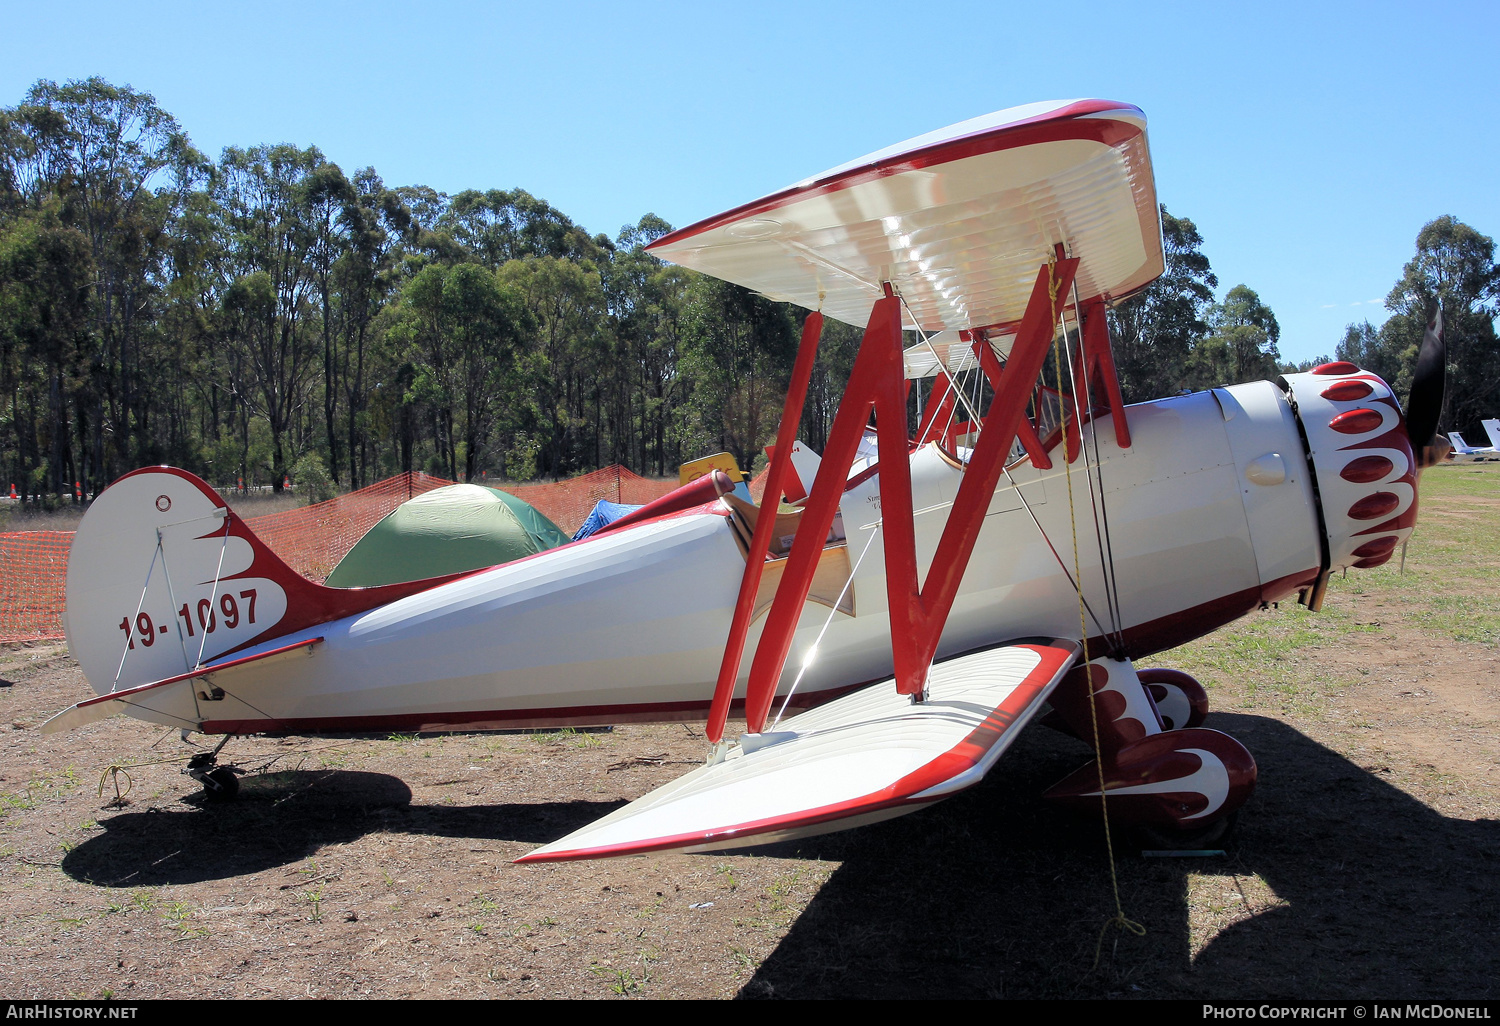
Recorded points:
(1209, 513)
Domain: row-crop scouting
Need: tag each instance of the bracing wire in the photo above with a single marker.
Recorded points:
(1119, 919)
(812, 653)
(963, 401)
(1081, 405)
(1101, 509)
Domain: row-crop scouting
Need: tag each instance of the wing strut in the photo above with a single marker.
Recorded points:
(992, 368)
(917, 614)
(1097, 363)
(939, 406)
(760, 542)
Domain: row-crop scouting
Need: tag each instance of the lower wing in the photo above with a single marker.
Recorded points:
(868, 756)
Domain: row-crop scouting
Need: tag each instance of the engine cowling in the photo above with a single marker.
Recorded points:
(1363, 467)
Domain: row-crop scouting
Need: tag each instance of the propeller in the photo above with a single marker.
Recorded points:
(1424, 404)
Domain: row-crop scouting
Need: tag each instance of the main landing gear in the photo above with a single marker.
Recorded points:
(220, 784)
(1178, 784)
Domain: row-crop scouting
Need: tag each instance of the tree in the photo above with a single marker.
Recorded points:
(1454, 267)
(1368, 347)
(98, 148)
(264, 195)
(740, 350)
(566, 302)
(466, 330)
(1241, 346)
(1154, 332)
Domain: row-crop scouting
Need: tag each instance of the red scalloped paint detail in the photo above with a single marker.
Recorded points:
(1366, 469)
(1374, 561)
(1347, 391)
(1401, 523)
(1336, 367)
(1374, 506)
(1356, 422)
(1379, 547)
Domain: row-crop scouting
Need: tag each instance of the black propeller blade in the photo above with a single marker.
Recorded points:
(1424, 404)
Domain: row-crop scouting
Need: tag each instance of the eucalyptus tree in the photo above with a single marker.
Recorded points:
(498, 225)
(1365, 345)
(1242, 344)
(648, 301)
(739, 352)
(466, 332)
(367, 276)
(45, 274)
(1154, 331)
(264, 194)
(1454, 267)
(327, 198)
(102, 150)
(566, 303)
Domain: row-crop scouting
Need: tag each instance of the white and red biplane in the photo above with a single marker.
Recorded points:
(932, 589)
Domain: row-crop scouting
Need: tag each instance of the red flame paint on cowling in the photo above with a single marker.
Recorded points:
(1394, 438)
(1356, 422)
(1344, 419)
(1347, 391)
(1366, 469)
(1377, 504)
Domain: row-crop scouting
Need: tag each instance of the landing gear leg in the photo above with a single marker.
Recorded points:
(219, 782)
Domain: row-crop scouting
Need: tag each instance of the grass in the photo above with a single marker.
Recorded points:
(314, 897)
(179, 915)
(1450, 585)
(570, 736)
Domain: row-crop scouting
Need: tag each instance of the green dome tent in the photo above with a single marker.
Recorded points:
(445, 531)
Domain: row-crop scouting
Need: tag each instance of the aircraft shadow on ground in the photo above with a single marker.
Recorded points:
(996, 894)
(281, 818)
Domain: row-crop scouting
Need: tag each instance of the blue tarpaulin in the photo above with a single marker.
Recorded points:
(605, 512)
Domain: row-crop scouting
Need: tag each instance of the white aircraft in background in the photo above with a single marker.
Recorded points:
(1463, 451)
(1022, 545)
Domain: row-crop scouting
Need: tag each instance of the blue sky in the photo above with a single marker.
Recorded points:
(1309, 142)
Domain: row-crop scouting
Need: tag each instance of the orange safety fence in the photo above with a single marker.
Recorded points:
(312, 539)
(33, 566)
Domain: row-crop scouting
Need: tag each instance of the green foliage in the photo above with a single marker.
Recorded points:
(241, 315)
(1241, 345)
(238, 316)
(1155, 331)
(310, 478)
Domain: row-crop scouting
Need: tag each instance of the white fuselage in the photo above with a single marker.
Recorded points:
(632, 625)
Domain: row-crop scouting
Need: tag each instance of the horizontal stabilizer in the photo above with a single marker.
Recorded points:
(106, 705)
(865, 757)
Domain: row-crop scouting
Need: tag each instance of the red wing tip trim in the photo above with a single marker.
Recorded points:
(921, 151)
(775, 824)
(910, 790)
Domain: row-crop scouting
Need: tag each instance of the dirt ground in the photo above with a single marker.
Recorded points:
(1364, 865)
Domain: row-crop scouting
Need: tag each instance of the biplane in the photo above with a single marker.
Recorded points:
(990, 535)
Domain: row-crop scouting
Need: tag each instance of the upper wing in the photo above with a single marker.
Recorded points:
(865, 757)
(957, 220)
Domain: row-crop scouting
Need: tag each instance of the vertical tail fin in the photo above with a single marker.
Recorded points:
(164, 577)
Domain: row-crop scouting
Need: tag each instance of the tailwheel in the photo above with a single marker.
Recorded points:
(220, 784)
